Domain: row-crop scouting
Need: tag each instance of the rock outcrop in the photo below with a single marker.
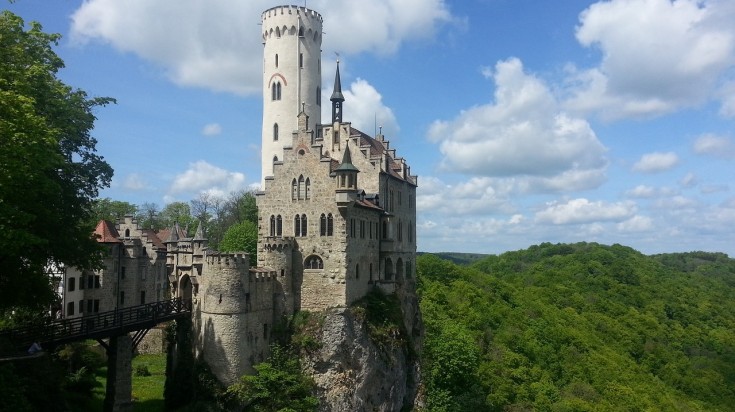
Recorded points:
(357, 368)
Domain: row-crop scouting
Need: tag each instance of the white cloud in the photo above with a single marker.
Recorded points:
(656, 162)
(364, 108)
(636, 224)
(211, 129)
(583, 211)
(477, 196)
(641, 191)
(718, 146)
(211, 44)
(689, 180)
(204, 177)
(522, 134)
(135, 181)
(657, 55)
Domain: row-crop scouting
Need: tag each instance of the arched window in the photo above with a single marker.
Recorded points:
(279, 226)
(275, 132)
(303, 225)
(313, 262)
(409, 275)
(127, 232)
(357, 271)
(330, 225)
(385, 229)
(388, 269)
(410, 231)
(307, 189)
(301, 31)
(275, 159)
(276, 58)
(278, 34)
(294, 190)
(301, 187)
(278, 90)
(273, 226)
(297, 226)
(399, 270)
(273, 91)
(322, 225)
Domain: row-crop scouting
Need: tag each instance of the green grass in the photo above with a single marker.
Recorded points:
(147, 390)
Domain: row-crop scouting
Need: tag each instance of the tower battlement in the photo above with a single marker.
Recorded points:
(228, 261)
(279, 21)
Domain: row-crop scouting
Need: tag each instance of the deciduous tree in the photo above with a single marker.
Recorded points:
(49, 169)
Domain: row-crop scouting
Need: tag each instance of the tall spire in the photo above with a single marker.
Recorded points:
(337, 98)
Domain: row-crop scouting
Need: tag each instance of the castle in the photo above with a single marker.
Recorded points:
(336, 217)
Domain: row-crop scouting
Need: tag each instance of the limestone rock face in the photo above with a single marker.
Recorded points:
(354, 373)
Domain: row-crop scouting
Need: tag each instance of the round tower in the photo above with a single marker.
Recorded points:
(292, 39)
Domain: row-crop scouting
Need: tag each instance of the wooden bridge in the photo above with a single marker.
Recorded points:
(138, 319)
(117, 325)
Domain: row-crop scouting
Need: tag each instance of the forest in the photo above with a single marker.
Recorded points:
(579, 327)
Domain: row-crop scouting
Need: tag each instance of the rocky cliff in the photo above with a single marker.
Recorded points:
(366, 357)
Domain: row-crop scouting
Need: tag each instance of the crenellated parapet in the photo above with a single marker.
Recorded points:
(278, 22)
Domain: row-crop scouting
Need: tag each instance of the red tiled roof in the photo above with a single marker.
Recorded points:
(105, 232)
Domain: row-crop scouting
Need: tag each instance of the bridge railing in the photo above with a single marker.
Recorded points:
(98, 325)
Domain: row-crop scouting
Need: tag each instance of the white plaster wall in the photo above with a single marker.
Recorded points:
(299, 84)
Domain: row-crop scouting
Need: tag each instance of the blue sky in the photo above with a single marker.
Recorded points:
(526, 121)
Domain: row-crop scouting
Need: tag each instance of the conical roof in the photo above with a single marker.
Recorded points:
(346, 165)
(337, 93)
(199, 235)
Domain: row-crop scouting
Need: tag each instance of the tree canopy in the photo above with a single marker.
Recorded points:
(49, 169)
(241, 237)
(572, 327)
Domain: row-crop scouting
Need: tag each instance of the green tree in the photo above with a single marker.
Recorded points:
(148, 216)
(176, 212)
(111, 210)
(278, 385)
(242, 237)
(49, 170)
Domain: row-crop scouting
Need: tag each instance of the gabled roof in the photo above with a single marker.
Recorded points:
(105, 232)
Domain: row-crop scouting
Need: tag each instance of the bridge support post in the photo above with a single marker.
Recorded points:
(118, 394)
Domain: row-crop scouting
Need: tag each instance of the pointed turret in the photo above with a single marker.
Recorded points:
(337, 98)
(346, 164)
(199, 235)
(346, 175)
(173, 236)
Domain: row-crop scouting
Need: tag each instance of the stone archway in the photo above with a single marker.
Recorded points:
(184, 290)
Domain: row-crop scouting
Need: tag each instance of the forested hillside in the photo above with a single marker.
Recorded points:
(580, 327)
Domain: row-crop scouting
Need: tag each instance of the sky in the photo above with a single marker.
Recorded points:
(527, 121)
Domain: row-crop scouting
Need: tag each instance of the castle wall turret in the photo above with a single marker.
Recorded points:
(234, 314)
(292, 38)
(276, 253)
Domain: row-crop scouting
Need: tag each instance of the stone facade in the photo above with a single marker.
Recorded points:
(134, 272)
(336, 218)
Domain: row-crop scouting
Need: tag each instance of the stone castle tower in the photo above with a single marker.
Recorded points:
(336, 219)
(336, 215)
(292, 39)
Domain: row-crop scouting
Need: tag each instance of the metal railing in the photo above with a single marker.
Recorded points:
(99, 325)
